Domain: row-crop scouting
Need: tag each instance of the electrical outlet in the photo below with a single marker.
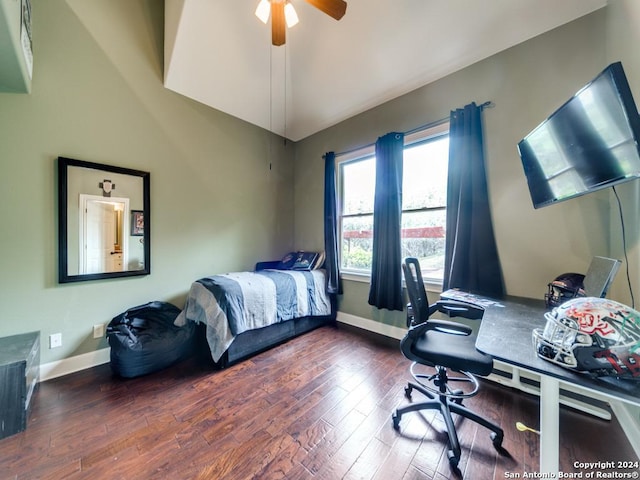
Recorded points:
(55, 340)
(98, 330)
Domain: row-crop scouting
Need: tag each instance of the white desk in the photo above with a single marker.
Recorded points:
(506, 334)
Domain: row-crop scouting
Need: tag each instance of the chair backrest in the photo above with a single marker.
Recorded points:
(415, 288)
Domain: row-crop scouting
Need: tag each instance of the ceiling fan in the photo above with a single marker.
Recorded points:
(282, 12)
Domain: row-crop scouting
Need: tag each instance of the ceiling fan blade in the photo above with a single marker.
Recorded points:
(278, 31)
(333, 8)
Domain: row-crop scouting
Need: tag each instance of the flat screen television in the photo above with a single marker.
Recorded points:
(589, 143)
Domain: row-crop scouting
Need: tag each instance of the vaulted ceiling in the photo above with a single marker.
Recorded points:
(217, 52)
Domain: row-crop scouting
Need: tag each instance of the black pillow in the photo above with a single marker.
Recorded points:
(300, 260)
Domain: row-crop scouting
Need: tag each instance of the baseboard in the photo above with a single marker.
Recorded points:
(69, 365)
(372, 326)
(77, 363)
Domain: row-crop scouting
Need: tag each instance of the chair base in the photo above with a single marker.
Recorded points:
(446, 405)
(437, 383)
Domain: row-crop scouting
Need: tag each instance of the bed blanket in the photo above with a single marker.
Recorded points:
(233, 303)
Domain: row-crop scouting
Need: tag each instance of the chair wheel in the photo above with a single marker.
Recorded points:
(407, 391)
(496, 439)
(396, 421)
(453, 460)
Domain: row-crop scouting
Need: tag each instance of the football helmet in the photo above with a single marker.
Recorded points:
(594, 335)
(564, 287)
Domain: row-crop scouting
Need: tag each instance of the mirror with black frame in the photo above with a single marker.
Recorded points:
(103, 221)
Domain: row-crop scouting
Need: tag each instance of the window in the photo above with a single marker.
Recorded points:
(424, 196)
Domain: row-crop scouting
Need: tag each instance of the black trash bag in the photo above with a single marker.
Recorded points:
(144, 339)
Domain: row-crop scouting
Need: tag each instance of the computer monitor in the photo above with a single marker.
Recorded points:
(600, 275)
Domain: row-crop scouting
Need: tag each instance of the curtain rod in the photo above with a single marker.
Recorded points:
(487, 104)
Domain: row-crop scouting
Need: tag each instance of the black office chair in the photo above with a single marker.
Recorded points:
(447, 348)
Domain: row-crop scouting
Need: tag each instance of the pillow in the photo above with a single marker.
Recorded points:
(320, 261)
(301, 260)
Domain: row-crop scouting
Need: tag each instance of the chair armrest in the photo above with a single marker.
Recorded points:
(450, 327)
(456, 308)
(445, 326)
(265, 265)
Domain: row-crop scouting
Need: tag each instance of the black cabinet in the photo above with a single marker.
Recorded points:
(19, 375)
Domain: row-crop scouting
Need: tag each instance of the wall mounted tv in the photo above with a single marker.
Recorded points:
(589, 143)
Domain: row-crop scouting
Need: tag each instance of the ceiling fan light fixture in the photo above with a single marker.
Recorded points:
(263, 11)
(290, 15)
(284, 16)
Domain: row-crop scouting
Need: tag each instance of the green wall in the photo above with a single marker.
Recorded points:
(97, 95)
(526, 84)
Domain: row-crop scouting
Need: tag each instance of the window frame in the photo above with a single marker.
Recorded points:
(412, 139)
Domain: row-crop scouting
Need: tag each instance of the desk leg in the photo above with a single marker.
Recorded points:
(549, 424)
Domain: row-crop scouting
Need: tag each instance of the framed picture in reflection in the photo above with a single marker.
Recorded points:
(137, 223)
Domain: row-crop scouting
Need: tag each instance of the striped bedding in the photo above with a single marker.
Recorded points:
(233, 303)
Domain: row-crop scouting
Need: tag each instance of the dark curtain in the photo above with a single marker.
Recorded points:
(334, 284)
(386, 271)
(471, 255)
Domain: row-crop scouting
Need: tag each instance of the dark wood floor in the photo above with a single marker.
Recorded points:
(318, 407)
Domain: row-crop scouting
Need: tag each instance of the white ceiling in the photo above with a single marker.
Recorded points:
(218, 53)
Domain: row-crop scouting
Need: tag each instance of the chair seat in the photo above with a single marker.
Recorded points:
(457, 352)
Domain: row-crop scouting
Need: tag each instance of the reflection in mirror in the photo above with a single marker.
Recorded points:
(103, 244)
(103, 221)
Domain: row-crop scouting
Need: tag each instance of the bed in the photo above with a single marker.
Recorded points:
(239, 314)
